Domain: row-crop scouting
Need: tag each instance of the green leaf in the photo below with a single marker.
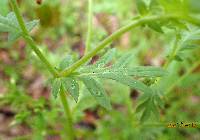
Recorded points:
(158, 101)
(175, 23)
(56, 87)
(10, 24)
(145, 115)
(12, 19)
(124, 60)
(174, 6)
(140, 71)
(178, 57)
(155, 7)
(30, 25)
(71, 86)
(150, 103)
(189, 46)
(142, 106)
(147, 71)
(122, 75)
(4, 7)
(154, 109)
(105, 59)
(97, 91)
(13, 36)
(66, 62)
(194, 6)
(156, 27)
(126, 80)
(189, 39)
(5, 28)
(142, 7)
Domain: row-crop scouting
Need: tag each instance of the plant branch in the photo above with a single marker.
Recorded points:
(111, 38)
(68, 114)
(89, 32)
(34, 47)
(30, 41)
(19, 16)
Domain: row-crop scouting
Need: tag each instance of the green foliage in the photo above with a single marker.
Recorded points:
(142, 7)
(150, 104)
(97, 91)
(194, 6)
(67, 61)
(119, 71)
(105, 59)
(71, 86)
(10, 24)
(111, 80)
(56, 87)
(4, 9)
(190, 40)
(174, 7)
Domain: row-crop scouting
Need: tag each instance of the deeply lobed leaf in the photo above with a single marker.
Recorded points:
(10, 24)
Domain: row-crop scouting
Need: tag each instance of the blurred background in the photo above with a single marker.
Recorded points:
(28, 110)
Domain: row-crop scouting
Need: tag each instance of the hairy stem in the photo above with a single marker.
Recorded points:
(34, 47)
(111, 38)
(89, 32)
(19, 16)
(29, 40)
(65, 104)
(51, 69)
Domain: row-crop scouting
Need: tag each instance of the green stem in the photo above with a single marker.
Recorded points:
(68, 114)
(29, 40)
(19, 16)
(34, 47)
(89, 32)
(111, 38)
(51, 69)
